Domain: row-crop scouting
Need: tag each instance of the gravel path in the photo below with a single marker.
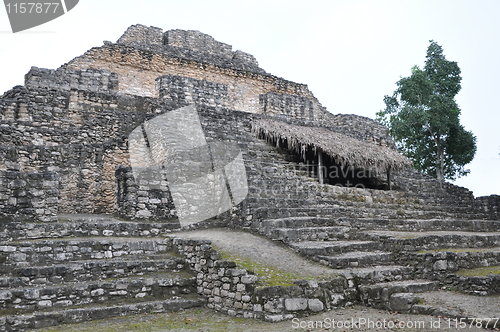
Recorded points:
(465, 305)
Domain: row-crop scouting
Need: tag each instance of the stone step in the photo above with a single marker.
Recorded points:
(332, 211)
(276, 194)
(417, 225)
(387, 295)
(45, 252)
(327, 248)
(308, 233)
(415, 241)
(299, 198)
(153, 286)
(376, 274)
(92, 312)
(360, 224)
(357, 259)
(297, 222)
(81, 225)
(87, 270)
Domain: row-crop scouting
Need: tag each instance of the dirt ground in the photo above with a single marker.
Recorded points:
(205, 320)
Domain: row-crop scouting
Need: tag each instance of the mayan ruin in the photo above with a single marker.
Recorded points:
(117, 168)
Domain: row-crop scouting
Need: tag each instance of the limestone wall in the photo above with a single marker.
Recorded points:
(188, 44)
(150, 200)
(489, 205)
(76, 120)
(141, 34)
(143, 54)
(67, 79)
(138, 69)
(183, 91)
(28, 196)
(292, 106)
(236, 292)
(81, 135)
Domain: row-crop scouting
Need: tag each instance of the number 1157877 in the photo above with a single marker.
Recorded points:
(32, 7)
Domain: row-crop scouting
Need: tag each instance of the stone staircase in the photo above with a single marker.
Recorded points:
(388, 261)
(89, 267)
(382, 241)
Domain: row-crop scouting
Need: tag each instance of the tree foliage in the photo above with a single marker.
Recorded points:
(424, 119)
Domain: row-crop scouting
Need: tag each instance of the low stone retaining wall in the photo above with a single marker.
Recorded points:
(71, 316)
(236, 291)
(483, 285)
(438, 265)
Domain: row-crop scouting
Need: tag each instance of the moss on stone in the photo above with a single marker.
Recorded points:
(351, 198)
(456, 250)
(479, 272)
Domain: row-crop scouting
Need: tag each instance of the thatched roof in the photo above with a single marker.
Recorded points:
(345, 150)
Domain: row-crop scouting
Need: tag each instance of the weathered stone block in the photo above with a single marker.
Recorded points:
(296, 304)
(315, 305)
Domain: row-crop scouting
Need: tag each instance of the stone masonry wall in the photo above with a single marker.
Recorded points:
(198, 42)
(28, 196)
(79, 134)
(247, 91)
(295, 107)
(189, 44)
(183, 91)
(67, 79)
(59, 123)
(236, 292)
(359, 127)
(490, 205)
(138, 69)
(140, 33)
(144, 200)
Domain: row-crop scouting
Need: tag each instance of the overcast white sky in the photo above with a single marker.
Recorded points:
(350, 53)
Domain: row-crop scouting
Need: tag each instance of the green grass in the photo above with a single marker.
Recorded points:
(479, 272)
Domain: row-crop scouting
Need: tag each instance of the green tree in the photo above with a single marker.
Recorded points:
(424, 119)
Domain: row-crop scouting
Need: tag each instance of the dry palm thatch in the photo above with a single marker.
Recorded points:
(344, 150)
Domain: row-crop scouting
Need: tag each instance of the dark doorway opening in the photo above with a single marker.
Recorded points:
(334, 173)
